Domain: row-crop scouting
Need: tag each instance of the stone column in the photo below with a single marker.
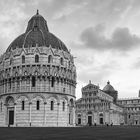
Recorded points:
(30, 113)
(20, 80)
(45, 113)
(4, 86)
(15, 122)
(36, 83)
(49, 83)
(68, 114)
(5, 114)
(73, 112)
(58, 114)
(30, 83)
(41, 83)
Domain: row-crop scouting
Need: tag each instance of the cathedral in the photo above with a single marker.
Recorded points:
(99, 107)
(37, 79)
(103, 107)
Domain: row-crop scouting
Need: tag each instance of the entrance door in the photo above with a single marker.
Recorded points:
(101, 120)
(90, 120)
(11, 117)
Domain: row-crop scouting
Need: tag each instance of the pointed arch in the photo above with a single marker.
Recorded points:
(36, 58)
(23, 59)
(50, 59)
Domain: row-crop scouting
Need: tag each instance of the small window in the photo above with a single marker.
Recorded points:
(36, 58)
(23, 105)
(129, 116)
(33, 81)
(23, 59)
(61, 61)
(37, 105)
(50, 59)
(52, 82)
(52, 105)
(63, 106)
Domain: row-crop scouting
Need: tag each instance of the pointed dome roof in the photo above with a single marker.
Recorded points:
(108, 87)
(37, 33)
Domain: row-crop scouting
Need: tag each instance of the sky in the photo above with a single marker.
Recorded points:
(102, 35)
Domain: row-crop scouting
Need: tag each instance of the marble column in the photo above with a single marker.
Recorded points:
(45, 113)
(58, 114)
(30, 113)
(15, 122)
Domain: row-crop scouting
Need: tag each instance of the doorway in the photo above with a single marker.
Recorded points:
(90, 120)
(136, 122)
(101, 120)
(11, 117)
(79, 120)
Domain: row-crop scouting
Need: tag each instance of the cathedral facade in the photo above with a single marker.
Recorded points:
(37, 79)
(99, 107)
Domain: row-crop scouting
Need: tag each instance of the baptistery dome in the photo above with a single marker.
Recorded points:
(37, 33)
(37, 79)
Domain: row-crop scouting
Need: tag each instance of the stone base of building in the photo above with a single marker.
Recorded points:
(37, 110)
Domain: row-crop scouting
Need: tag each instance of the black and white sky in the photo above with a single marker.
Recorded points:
(103, 36)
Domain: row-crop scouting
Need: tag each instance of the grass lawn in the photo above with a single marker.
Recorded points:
(77, 133)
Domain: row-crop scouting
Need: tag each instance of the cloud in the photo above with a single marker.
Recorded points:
(121, 39)
(136, 64)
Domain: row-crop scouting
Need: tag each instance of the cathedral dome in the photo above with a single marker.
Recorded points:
(37, 34)
(108, 87)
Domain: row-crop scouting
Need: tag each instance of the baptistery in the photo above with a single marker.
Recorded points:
(37, 79)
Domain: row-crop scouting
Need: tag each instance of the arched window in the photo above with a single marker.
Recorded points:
(52, 82)
(23, 59)
(52, 105)
(23, 105)
(37, 105)
(10, 83)
(61, 61)
(101, 115)
(33, 81)
(63, 106)
(50, 59)
(71, 102)
(36, 58)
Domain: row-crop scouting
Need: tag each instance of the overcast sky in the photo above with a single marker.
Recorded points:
(103, 35)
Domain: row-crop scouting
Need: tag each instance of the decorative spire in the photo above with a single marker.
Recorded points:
(37, 12)
(108, 82)
(89, 81)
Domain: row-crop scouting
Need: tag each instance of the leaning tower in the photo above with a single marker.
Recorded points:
(37, 79)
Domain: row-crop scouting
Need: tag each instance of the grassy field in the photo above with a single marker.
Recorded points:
(77, 133)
